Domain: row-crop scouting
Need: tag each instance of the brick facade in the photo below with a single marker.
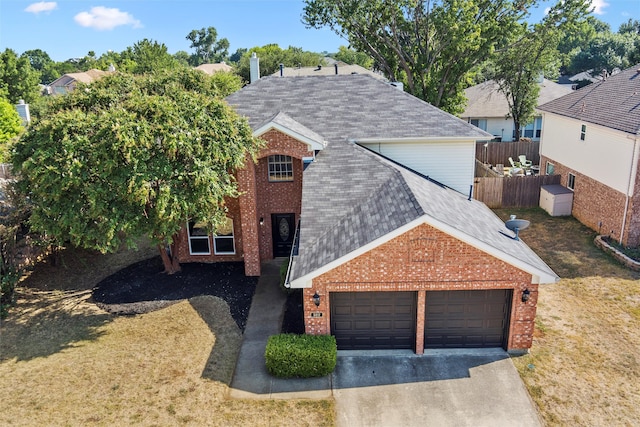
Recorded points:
(259, 198)
(599, 206)
(426, 259)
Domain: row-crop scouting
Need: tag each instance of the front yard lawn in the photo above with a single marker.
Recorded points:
(584, 366)
(64, 361)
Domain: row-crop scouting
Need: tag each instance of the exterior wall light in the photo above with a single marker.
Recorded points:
(316, 299)
(261, 221)
(525, 295)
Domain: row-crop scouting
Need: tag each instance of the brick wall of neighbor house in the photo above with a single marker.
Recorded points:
(599, 206)
(425, 259)
(259, 199)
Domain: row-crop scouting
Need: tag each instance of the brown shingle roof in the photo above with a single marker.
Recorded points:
(613, 103)
(486, 100)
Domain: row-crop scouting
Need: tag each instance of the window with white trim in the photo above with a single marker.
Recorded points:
(571, 181)
(198, 239)
(583, 132)
(223, 241)
(280, 168)
(549, 169)
(479, 123)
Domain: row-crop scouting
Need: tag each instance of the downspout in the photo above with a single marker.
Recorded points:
(631, 183)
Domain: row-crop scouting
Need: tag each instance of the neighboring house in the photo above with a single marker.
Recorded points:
(337, 67)
(592, 139)
(387, 258)
(487, 108)
(215, 68)
(68, 82)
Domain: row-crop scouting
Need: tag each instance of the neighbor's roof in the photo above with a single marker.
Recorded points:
(381, 197)
(327, 70)
(84, 77)
(351, 197)
(613, 103)
(486, 100)
(214, 68)
(343, 107)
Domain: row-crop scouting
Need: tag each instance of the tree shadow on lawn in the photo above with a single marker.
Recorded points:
(145, 281)
(49, 322)
(228, 337)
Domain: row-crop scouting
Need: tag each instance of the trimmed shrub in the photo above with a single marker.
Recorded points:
(302, 356)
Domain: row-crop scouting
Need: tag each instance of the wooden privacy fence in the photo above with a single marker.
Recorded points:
(499, 152)
(512, 192)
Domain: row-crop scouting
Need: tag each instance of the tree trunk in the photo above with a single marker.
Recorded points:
(516, 124)
(170, 262)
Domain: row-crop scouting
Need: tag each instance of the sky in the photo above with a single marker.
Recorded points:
(71, 28)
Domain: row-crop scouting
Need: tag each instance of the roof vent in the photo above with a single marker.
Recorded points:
(336, 67)
(319, 68)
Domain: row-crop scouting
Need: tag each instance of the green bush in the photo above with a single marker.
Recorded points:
(303, 356)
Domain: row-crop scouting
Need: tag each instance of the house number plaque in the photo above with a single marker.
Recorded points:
(316, 314)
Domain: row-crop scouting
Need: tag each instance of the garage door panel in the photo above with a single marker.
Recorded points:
(362, 325)
(467, 318)
(383, 325)
(343, 310)
(362, 309)
(378, 320)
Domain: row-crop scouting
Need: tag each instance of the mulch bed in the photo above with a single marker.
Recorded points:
(293, 321)
(144, 286)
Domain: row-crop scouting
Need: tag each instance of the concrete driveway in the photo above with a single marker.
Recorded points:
(440, 388)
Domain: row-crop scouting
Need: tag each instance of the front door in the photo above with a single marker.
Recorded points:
(283, 229)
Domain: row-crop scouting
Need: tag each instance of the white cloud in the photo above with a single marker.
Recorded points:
(102, 18)
(598, 6)
(43, 6)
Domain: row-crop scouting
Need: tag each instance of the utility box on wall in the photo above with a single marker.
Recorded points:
(556, 200)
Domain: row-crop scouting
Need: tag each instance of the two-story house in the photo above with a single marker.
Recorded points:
(592, 139)
(369, 187)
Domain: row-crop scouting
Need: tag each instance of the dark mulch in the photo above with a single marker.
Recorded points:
(293, 321)
(145, 281)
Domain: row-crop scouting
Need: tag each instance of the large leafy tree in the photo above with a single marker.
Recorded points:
(532, 54)
(272, 55)
(431, 46)
(351, 56)
(208, 49)
(148, 55)
(132, 155)
(10, 126)
(607, 51)
(18, 80)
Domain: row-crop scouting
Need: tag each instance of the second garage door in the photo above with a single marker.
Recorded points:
(467, 319)
(373, 320)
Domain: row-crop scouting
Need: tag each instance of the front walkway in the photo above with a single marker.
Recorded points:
(251, 379)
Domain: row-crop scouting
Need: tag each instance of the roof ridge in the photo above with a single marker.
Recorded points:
(396, 176)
